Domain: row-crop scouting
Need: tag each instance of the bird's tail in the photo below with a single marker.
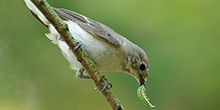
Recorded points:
(53, 35)
(37, 13)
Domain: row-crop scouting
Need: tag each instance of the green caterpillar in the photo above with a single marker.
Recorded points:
(143, 97)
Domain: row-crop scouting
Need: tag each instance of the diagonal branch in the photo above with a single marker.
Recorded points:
(80, 54)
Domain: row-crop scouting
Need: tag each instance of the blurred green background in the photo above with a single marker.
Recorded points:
(180, 37)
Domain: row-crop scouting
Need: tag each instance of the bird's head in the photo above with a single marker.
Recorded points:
(138, 65)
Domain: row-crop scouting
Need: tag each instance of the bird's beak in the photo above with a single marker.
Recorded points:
(141, 80)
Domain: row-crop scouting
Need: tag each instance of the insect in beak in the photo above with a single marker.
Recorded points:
(143, 97)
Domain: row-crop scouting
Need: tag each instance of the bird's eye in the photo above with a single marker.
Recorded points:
(142, 67)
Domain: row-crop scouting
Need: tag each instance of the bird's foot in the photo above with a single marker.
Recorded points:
(81, 75)
(106, 83)
(77, 47)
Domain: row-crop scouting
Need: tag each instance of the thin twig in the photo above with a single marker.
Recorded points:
(80, 54)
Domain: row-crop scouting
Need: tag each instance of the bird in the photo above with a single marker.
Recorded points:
(110, 51)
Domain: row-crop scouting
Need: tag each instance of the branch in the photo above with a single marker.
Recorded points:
(80, 54)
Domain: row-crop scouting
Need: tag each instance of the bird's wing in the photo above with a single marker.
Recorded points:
(97, 29)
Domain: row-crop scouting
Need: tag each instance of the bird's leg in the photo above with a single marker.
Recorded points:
(80, 74)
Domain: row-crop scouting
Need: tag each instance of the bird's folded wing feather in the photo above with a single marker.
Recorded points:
(97, 29)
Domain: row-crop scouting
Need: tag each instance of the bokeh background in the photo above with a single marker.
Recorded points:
(180, 37)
